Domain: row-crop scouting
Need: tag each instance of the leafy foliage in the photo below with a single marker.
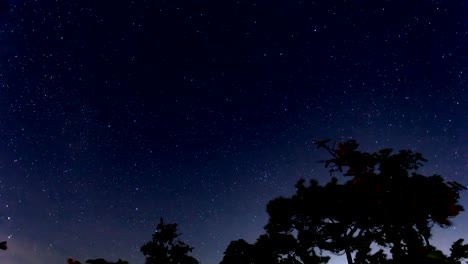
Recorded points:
(389, 201)
(72, 261)
(103, 261)
(238, 252)
(272, 249)
(459, 252)
(3, 245)
(165, 248)
(383, 203)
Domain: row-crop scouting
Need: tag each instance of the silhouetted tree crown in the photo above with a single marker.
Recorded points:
(3, 245)
(383, 203)
(238, 251)
(72, 261)
(166, 248)
(103, 261)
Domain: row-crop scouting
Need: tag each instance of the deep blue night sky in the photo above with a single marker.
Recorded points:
(117, 113)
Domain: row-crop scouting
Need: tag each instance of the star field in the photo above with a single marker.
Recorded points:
(113, 114)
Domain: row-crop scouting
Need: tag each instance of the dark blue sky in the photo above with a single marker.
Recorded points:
(117, 113)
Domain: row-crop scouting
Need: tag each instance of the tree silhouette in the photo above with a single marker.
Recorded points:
(72, 261)
(305, 215)
(96, 261)
(165, 248)
(382, 203)
(239, 252)
(458, 252)
(3, 245)
(271, 249)
(392, 205)
(103, 261)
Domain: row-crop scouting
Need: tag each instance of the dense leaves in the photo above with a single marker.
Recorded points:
(103, 261)
(165, 248)
(388, 202)
(381, 212)
(459, 252)
(272, 249)
(3, 245)
(239, 251)
(373, 201)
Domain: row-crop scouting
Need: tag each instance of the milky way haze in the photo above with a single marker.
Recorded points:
(117, 113)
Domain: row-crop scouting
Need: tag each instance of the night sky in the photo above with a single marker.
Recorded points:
(115, 114)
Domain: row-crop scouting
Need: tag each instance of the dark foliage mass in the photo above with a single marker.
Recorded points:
(3, 245)
(72, 261)
(166, 248)
(96, 261)
(103, 261)
(383, 204)
(382, 212)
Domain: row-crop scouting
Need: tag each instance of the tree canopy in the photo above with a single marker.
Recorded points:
(103, 261)
(3, 245)
(166, 248)
(383, 203)
(376, 208)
